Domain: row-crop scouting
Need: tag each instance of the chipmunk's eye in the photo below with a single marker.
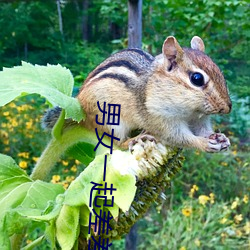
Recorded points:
(197, 79)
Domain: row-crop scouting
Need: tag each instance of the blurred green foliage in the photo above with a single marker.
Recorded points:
(30, 32)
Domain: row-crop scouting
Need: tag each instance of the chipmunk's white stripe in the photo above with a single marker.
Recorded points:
(120, 71)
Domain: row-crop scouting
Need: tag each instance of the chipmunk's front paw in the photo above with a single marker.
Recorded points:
(217, 142)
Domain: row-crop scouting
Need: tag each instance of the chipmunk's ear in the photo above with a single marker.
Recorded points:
(197, 43)
(171, 49)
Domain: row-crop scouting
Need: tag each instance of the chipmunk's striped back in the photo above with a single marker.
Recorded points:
(123, 66)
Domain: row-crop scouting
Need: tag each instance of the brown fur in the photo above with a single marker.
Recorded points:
(156, 94)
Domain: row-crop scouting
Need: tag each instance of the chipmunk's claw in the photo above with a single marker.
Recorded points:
(218, 142)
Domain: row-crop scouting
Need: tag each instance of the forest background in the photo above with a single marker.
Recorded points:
(207, 205)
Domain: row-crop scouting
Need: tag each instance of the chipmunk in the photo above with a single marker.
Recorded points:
(169, 97)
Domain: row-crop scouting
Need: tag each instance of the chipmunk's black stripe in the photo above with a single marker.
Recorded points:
(118, 63)
(142, 53)
(118, 77)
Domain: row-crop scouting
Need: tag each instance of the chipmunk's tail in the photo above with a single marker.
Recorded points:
(50, 117)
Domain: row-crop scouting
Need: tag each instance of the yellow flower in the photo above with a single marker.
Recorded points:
(197, 242)
(6, 113)
(193, 190)
(223, 220)
(24, 154)
(211, 195)
(29, 124)
(187, 211)
(203, 199)
(73, 168)
(235, 203)
(238, 233)
(77, 162)
(55, 178)
(14, 123)
(6, 141)
(65, 163)
(183, 248)
(224, 164)
(70, 178)
(4, 134)
(238, 218)
(35, 159)
(223, 235)
(247, 227)
(245, 199)
(12, 105)
(234, 152)
(23, 164)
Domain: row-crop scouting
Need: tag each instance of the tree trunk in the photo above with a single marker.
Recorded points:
(85, 20)
(59, 16)
(135, 23)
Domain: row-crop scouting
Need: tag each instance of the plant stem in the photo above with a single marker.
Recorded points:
(57, 147)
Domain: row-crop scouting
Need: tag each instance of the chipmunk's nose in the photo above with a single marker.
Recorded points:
(227, 108)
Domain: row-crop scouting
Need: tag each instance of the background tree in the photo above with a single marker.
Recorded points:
(135, 23)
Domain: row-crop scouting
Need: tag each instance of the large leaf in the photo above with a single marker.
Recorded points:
(9, 168)
(53, 82)
(21, 197)
(67, 226)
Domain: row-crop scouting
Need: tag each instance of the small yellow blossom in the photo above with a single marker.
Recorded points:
(211, 195)
(24, 154)
(65, 163)
(70, 178)
(235, 203)
(29, 124)
(77, 162)
(238, 218)
(197, 242)
(4, 134)
(183, 248)
(12, 105)
(234, 152)
(187, 211)
(203, 199)
(73, 168)
(23, 164)
(223, 220)
(55, 178)
(224, 164)
(6, 141)
(245, 199)
(14, 123)
(247, 227)
(65, 185)
(6, 113)
(223, 235)
(238, 233)
(6, 149)
(238, 160)
(35, 159)
(193, 190)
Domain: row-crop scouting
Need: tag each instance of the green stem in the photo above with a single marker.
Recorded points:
(57, 147)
